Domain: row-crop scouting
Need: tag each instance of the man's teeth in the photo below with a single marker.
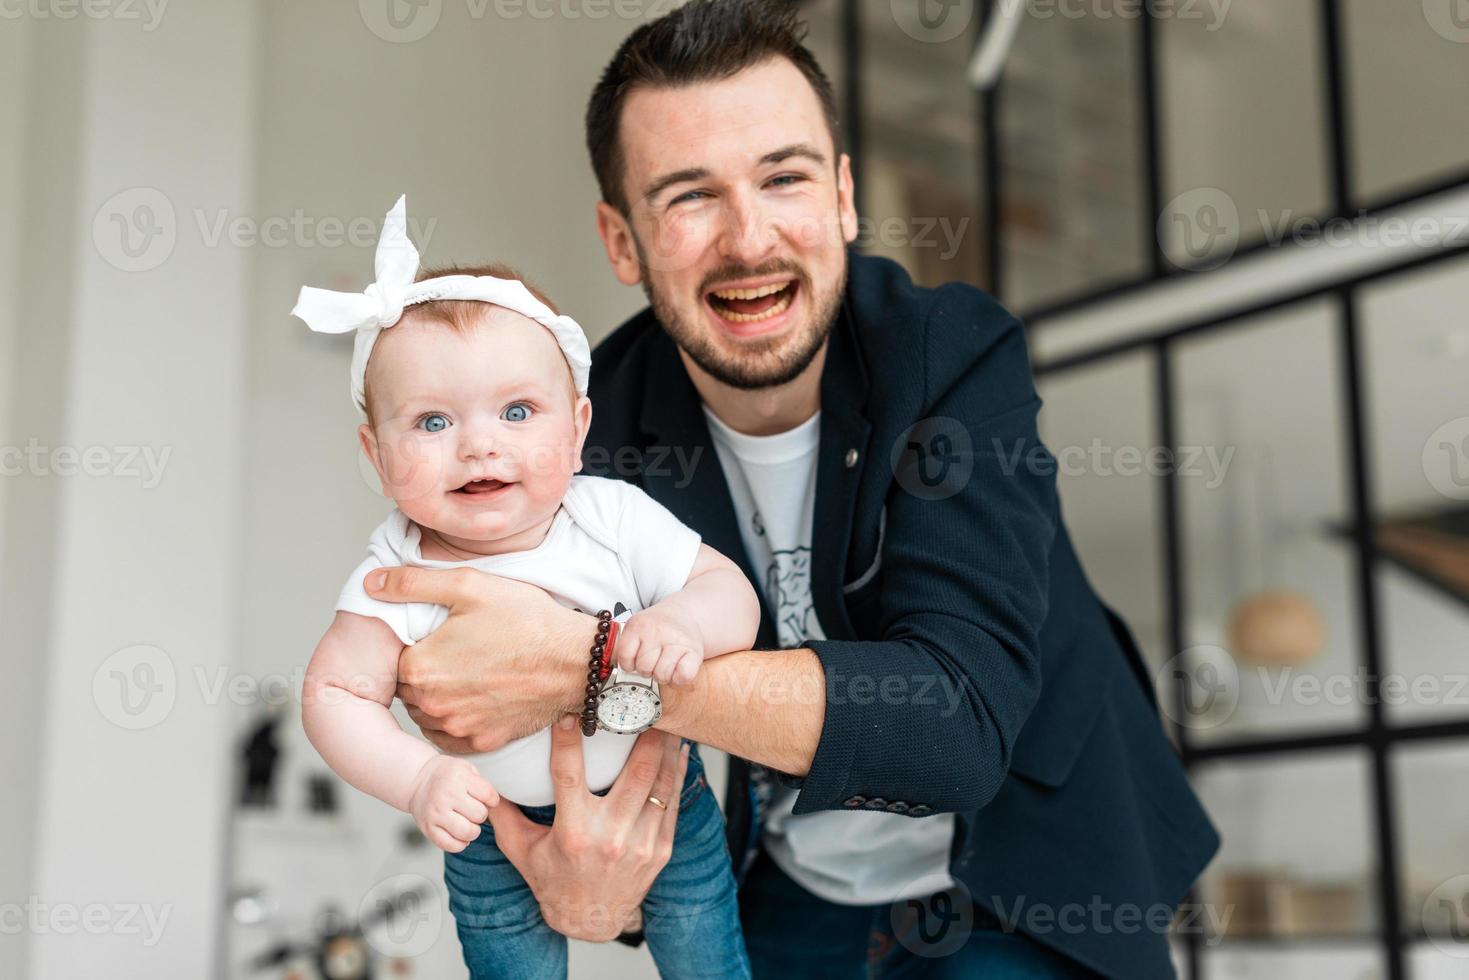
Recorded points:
(776, 309)
(750, 293)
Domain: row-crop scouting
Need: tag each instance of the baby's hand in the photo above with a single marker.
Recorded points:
(450, 800)
(661, 644)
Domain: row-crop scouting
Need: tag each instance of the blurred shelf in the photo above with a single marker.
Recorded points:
(1431, 547)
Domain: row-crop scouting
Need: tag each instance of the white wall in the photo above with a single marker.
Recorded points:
(32, 406)
(102, 822)
(129, 817)
(25, 672)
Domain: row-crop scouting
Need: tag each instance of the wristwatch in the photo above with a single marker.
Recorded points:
(628, 703)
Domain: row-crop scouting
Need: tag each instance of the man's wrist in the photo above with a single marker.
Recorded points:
(681, 702)
(573, 651)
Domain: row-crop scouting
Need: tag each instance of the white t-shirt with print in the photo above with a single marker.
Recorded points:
(610, 542)
(847, 857)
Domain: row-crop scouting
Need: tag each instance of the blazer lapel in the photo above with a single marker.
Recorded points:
(844, 452)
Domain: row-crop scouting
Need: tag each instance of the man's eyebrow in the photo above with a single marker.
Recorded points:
(690, 174)
(795, 150)
(687, 175)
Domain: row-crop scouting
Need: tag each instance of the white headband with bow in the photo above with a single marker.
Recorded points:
(381, 305)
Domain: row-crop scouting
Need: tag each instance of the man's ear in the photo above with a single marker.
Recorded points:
(582, 415)
(617, 239)
(367, 437)
(846, 199)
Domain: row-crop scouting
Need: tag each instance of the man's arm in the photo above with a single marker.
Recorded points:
(766, 706)
(509, 660)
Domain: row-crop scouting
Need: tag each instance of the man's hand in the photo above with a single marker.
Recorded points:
(508, 661)
(591, 869)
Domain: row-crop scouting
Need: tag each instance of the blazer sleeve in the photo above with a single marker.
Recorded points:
(955, 670)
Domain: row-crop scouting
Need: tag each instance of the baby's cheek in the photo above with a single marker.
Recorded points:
(545, 491)
(413, 469)
(545, 462)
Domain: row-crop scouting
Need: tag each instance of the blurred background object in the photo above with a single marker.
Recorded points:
(1236, 232)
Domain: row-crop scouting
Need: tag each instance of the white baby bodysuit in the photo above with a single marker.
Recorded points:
(609, 543)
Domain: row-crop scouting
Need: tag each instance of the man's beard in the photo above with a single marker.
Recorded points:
(761, 364)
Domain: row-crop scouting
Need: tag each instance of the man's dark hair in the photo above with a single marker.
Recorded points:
(702, 41)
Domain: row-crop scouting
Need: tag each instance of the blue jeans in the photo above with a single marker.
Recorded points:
(793, 933)
(690, 917)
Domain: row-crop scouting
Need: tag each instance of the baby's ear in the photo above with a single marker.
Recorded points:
(582, 413)
(367, 438)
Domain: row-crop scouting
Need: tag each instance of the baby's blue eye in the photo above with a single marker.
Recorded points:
(434, 423)
(518, 412)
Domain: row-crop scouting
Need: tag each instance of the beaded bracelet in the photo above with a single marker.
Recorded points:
(597, 670)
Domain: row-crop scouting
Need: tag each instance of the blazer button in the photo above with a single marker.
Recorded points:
(876, 803)
(897, 806)
(854, 801)
(851, 459)
(919, 810)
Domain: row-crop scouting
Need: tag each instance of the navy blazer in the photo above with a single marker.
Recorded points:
(970, 666)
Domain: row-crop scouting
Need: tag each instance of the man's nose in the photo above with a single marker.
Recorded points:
(748, 234)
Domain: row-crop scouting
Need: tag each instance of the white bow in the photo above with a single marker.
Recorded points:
(381, 304)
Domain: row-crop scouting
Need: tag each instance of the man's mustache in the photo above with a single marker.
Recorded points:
(734, 273)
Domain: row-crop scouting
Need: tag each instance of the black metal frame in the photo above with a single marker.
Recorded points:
(1379, 735)
(1340, 177)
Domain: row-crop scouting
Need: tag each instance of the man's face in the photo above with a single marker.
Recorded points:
(739, 217)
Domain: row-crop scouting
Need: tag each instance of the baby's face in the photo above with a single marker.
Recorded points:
(475, 434)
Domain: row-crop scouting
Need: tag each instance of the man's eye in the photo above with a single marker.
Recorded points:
(518, 412)
(686, 196)
(433, 423)
(784, 178)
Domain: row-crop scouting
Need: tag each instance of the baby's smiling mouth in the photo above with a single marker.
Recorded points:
(481, 486)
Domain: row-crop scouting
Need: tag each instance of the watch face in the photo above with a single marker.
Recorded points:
(628, 707)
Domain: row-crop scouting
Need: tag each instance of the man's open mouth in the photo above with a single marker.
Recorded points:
(481, 486)
(754, 304)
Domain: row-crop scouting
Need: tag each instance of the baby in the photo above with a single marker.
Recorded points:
(474, 389)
